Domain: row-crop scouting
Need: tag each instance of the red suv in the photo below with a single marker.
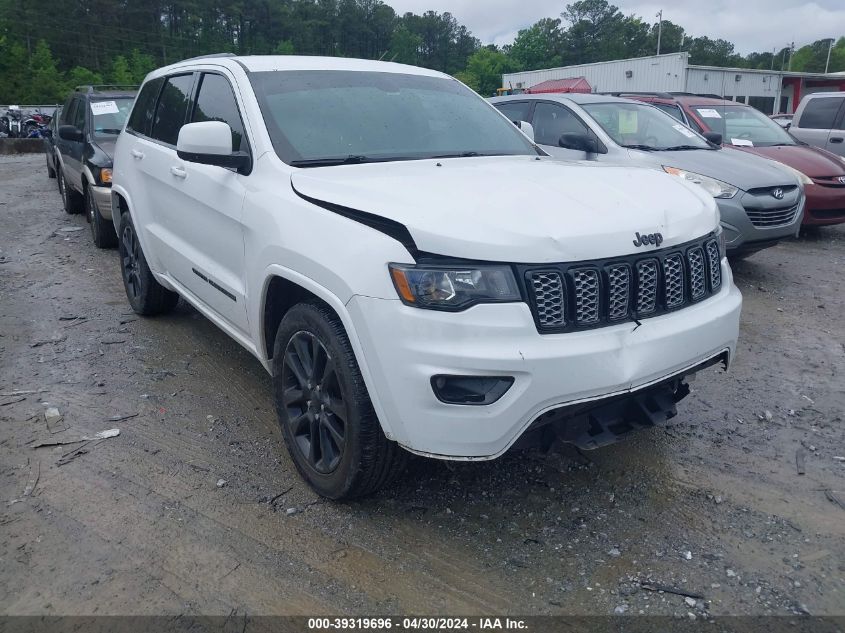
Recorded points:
(747, 129)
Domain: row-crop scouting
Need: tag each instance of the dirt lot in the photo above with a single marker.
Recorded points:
(141, 523)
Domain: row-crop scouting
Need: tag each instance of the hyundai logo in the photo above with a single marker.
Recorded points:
(842, 179)
(777, 193)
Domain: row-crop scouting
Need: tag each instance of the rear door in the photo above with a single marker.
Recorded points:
(816, 121)
(72, 150)
(836, 139)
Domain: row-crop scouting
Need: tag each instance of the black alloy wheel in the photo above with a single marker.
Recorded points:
(130, 254)
(317, 413)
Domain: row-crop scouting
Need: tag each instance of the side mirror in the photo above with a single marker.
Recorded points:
(526, 129)
(579, 142)
(713, 137)
(210, 143)
(787, 125)
(71, 133)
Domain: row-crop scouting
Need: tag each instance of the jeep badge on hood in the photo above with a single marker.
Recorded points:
(651, 238)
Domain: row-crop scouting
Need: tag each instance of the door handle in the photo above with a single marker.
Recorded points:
(836, 139)
(136, 154)
(179, 172)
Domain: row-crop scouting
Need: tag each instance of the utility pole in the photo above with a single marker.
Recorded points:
(659, 17)
(791, 53)
(774, 50)
(829, 48)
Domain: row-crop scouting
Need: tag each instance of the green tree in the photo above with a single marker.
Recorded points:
(284, 47)
(45, 83)
(140, 64)
(120, 73)
(484, 70)
(79, 76)
(538, 46)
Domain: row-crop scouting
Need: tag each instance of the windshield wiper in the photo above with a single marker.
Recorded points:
(462, 155)
(645, 148)
(676, 148)
(352, 159)
(108, 130)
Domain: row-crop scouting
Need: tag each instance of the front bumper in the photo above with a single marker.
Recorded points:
(405, 346)
(102, 199)
(741, 235)
(825, 205)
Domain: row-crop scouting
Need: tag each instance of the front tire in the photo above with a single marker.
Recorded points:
(102, 230)
(71, 201)
(146, 296)
(327, 420)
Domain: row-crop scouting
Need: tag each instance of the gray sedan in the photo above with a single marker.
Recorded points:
(761, 202)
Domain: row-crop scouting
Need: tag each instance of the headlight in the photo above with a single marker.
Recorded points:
(715, 188)
(453, 288)
(803, 178)
(105, 175)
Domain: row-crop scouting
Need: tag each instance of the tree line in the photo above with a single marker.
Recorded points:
(50, 46)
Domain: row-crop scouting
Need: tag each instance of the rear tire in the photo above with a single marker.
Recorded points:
(327, 419)
(146, 296)
(73, 202)
(102, 230)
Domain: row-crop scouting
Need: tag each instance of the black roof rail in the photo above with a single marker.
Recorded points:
(89, 88)
(622, 93)
(209, 56)
(698, 94)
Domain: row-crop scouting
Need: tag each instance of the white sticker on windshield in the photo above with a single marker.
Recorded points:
(741, 142)
(683, 129)
(104, 107)
(709, 113)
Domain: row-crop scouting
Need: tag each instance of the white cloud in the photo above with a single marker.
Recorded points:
(752, 25)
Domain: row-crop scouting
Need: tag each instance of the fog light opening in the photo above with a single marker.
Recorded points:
(470, 390)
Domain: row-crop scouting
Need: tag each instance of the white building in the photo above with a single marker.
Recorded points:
(768, 90)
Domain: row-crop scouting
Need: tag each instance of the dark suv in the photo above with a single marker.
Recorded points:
(91, 119)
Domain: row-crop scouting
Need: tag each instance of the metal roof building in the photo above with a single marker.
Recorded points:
(768, 90)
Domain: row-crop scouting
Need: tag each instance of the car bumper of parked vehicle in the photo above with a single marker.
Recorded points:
(825, 205)
(406, 347)
(102, 198)
(743, 235)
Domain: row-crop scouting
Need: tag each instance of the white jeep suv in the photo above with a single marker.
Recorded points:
(411, 269)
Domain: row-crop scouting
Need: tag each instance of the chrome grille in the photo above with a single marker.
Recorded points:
(697, 280)
(618, 291)
(586, 296)
(714, 264)
(646, 286)
(769, 218)
(589, 294)
(548, 297)
(673, 280)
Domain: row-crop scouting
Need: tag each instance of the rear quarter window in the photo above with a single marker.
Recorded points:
(820, 113)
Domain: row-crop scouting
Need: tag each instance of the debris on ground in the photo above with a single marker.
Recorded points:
(834, 498)
(800, 456)
(221, 483)
(120, 418)
(102, 435)
(678, 591)
(55, 420)
(12, 401)
(34, 476)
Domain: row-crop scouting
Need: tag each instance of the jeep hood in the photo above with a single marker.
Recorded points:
(518, 208)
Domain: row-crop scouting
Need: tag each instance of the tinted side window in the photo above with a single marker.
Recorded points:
(67, 111)
(172, 108)
(142, 113)
(515, 111)
(819, 114)
(216, 102)
(79, 114)
(552, 120)
(670, 109)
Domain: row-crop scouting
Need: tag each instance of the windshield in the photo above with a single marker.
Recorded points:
(743, 126)
(641, 126)
(331, 117)
(109, 115)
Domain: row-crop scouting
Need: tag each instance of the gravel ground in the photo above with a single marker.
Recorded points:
(195, 508)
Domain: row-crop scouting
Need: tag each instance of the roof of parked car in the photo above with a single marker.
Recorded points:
(573, 97)
(264, 63)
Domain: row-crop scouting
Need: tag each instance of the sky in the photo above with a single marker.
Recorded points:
(752, 25)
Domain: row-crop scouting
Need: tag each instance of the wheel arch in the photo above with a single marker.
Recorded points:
(284, 288)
